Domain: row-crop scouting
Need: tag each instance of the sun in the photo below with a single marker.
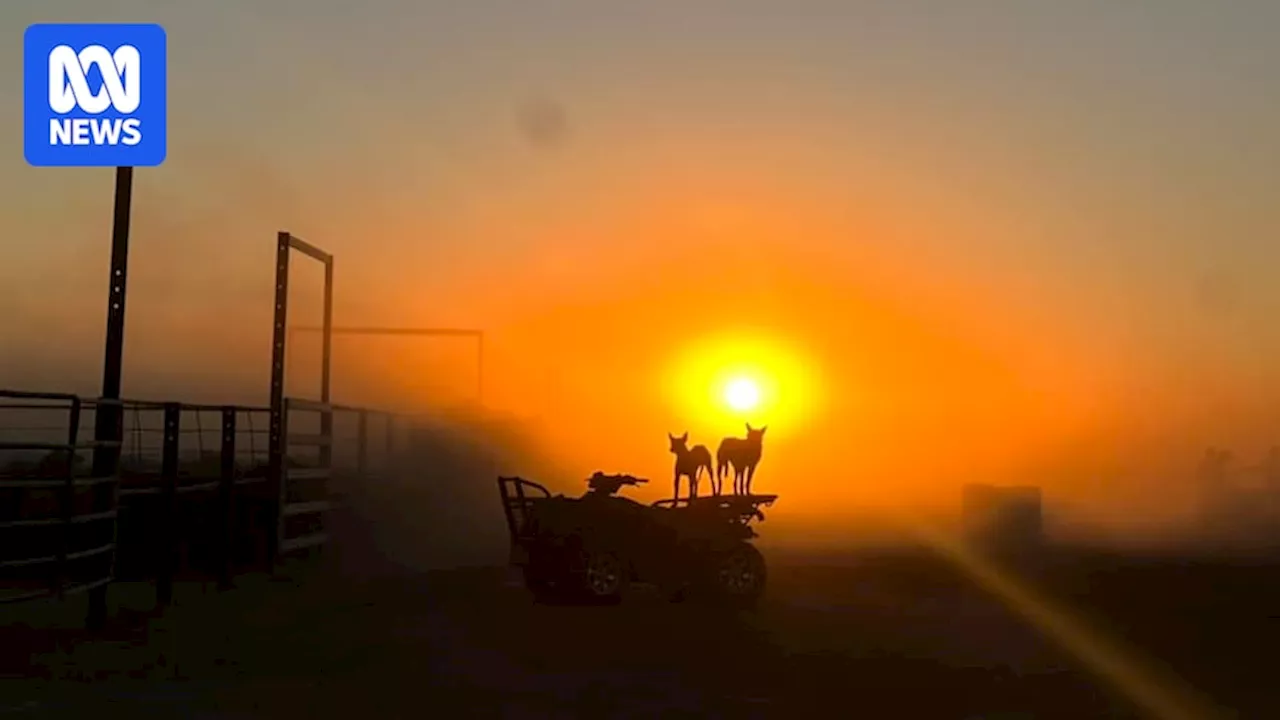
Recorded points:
(742, 394)
(717, 382)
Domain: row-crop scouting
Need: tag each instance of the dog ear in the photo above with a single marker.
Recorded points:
(685, 436)
(748, 427)
(766, 427)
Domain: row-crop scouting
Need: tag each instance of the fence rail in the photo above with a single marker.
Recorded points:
(167, 508)
(79, 533)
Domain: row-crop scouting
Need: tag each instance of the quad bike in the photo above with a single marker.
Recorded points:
(590, 549)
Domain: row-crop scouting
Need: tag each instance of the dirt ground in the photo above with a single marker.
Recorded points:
(882, 634)
(883, 637)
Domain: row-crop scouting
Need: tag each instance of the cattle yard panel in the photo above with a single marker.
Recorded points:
(192, 494)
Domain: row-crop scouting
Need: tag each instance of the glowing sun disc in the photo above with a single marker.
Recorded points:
(742, 394)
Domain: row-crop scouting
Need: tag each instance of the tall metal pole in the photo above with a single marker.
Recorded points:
(113, 360)
(276, 449)
(109, 417)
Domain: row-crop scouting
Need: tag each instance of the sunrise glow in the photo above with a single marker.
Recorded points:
(721, 382)
(742, 394)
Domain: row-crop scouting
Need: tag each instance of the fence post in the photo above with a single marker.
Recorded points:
(277, 445)
(362, 444)
(227, 499)
(391, 441)
(68, 498)
(278, 480)
(169, 503)
(108, 438)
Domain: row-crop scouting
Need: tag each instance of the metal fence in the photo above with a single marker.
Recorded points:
(204, 490)
(57, 522)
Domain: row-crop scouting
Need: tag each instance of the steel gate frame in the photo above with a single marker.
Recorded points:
(280, 440)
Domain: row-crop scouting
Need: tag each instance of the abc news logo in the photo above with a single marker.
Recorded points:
(95, 95)
(69, 90)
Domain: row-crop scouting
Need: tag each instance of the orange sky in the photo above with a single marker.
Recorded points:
(1008, 243)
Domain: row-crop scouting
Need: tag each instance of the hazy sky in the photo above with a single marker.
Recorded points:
(1085, 190)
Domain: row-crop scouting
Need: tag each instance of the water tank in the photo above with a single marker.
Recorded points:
(1003, 517)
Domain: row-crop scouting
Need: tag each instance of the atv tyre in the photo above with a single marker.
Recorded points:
(600, 577)
(735, 577)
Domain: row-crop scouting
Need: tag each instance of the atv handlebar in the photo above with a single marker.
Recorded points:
(610, 484)
(620, 479)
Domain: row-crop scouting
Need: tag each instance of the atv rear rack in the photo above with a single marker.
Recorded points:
(724, 501)
(518, 495)
(744, 507)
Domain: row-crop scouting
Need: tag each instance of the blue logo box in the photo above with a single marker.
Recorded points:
(95, 95)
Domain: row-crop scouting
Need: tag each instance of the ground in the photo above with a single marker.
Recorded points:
(886, 636)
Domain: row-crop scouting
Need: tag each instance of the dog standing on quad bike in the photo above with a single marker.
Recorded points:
(690, 462)
(743, 455)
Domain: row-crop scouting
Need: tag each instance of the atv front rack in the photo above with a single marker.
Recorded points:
(518, 496)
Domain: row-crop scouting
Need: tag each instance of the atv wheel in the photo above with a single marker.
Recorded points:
(737, 576)
(605, 577)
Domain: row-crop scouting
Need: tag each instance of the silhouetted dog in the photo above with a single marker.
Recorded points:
(743, 454)
(689, 463)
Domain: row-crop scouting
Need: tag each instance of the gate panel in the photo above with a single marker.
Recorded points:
(57, 529)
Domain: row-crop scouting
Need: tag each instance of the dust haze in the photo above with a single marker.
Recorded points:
(1030, 246)
(934, 338)
(923, 384)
